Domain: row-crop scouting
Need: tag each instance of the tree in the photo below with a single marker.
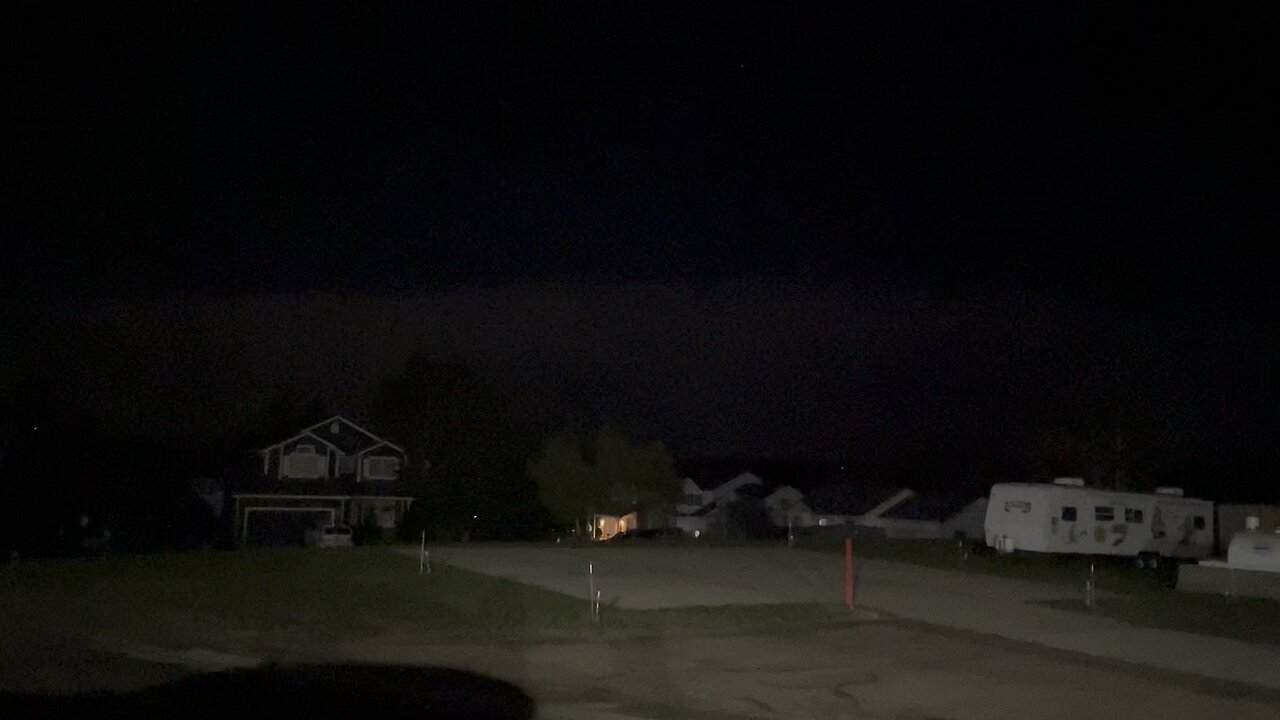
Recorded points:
(567, 484)
(466, 453)
(575, 480)
(640, 475)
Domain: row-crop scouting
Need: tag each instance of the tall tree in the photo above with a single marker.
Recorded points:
(466, 453)
(567, 484)
(611, 472)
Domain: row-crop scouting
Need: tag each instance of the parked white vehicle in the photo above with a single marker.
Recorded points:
(1065, 517)
(330, 537)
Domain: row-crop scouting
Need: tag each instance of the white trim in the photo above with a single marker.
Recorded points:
(380, 444)
(304, 433)
(357, 427)
(894, 500)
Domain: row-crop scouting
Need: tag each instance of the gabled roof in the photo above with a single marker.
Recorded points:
(847, 498)
(737, 481)
(350, 439)
(299, 436)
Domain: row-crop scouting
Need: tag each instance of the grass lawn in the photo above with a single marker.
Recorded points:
(323, 595)
(1146, 598)
(1249, 619)
(1118, 575)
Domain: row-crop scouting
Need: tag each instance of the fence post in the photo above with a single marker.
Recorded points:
(848, 572)
(591, 591)
(422, 553)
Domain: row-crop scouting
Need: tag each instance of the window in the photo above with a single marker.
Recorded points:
(1069, 513)
(1103, 513)
(693, 499)
(1133, 515)
(1199, 522)
(381, 468)
(346, 465)
(303, 462)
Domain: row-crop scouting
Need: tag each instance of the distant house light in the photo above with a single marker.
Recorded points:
(822, 522)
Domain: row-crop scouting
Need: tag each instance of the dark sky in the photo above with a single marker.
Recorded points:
(730, 228)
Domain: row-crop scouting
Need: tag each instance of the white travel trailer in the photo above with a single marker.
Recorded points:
(1067, 518)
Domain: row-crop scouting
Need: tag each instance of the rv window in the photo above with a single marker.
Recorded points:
(1199, 522)
(1069, 513)
(1103, 513)
(1133, 515)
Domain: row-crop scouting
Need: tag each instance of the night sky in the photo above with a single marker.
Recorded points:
(919, 229)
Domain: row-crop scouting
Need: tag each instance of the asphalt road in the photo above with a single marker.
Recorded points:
(867, 670)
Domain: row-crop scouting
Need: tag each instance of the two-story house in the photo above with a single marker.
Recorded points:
(331, 473)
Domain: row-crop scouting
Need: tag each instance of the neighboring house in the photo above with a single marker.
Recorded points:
(605, 526)
(852, 504)
(933, 516)
(787, 508)
(701, 503)
(331, 473)
(734, 488)
(692, 497)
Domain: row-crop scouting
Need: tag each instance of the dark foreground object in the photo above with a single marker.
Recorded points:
(301, 691)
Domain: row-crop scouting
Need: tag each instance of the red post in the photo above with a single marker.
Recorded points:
(848, 572)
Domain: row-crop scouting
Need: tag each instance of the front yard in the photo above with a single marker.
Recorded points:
(1144, 598)
(248, 600)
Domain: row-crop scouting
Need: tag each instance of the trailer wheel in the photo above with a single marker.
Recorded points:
(1147, 560)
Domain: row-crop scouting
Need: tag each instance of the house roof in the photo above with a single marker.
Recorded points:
(713, 484)
(930, 507)
(847, 498)
(350, 438)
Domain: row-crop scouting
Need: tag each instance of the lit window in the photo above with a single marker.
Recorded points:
(1103, 513)
(822, 522)
(1133, 515)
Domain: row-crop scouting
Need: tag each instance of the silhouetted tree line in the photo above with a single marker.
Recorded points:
(478, 465)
